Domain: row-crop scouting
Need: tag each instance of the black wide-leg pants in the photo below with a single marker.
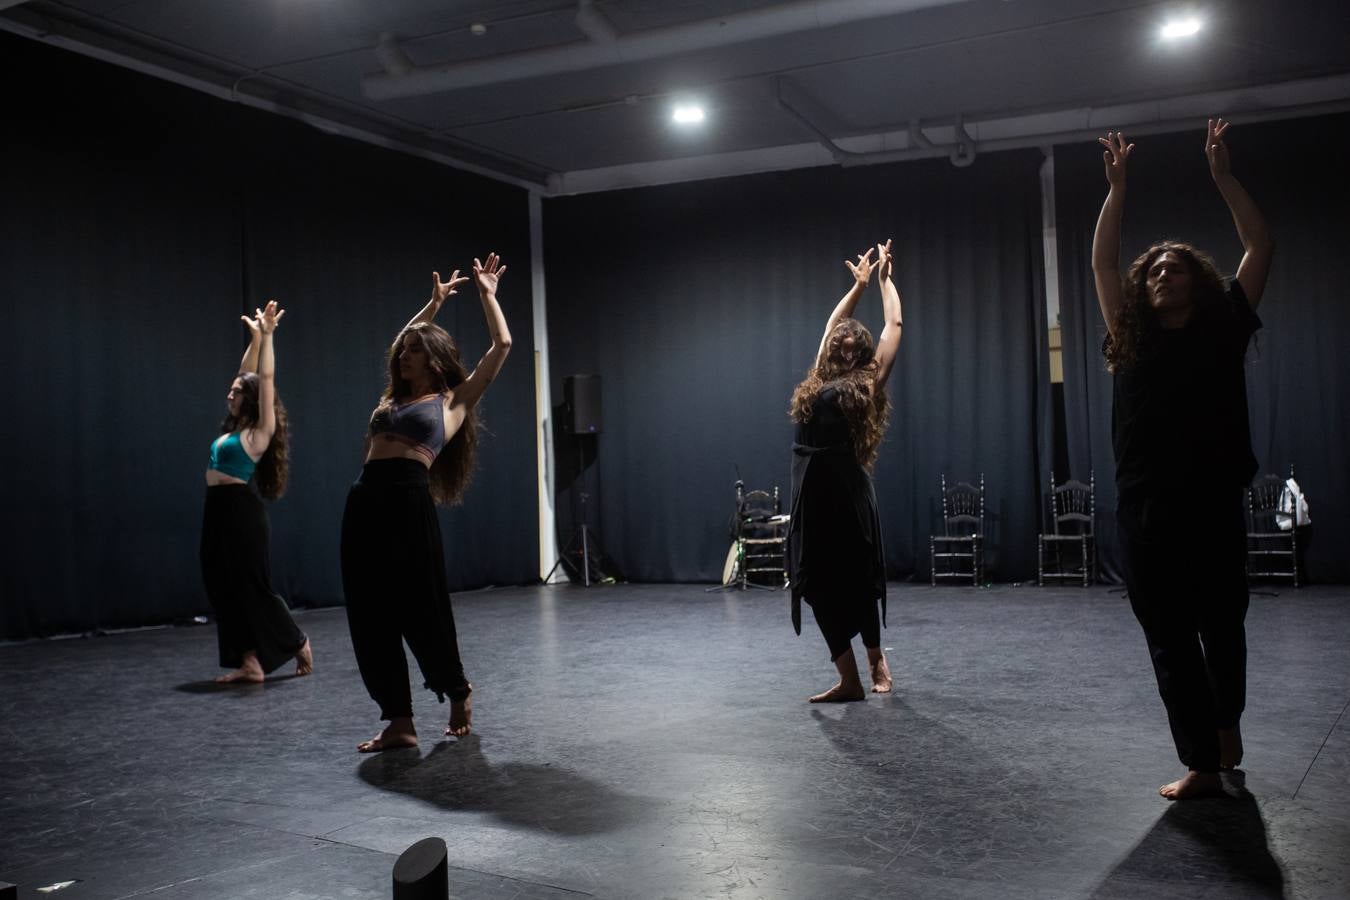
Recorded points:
(1185, 569)
(393, 575)
(237, 572)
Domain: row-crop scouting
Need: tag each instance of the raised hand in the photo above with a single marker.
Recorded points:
(862, 269)
(1117, 152)
(1215, 149)
(442, 289)
(252, 323)
(488, 274)
(884, 260)
(269, 316)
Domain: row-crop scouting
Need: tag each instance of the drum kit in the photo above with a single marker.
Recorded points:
(759, 538)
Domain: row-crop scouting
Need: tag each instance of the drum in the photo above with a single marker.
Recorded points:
(731, 570)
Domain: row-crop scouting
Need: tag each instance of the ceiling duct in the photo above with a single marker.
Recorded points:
(606, 47)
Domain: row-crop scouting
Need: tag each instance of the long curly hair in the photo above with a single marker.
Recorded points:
(1136, 321)
(453, 469)
(273, 469)
(849, 363)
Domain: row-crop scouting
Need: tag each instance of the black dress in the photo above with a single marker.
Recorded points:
(834, 554)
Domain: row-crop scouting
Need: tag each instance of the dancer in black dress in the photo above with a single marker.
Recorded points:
(1176, 342)
(420, 452)
(835, 559)
(255, 631)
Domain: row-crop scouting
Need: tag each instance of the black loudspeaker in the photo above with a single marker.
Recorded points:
(422, 872)
(581, 397)
(9, 891)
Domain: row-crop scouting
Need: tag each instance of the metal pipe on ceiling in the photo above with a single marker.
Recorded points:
(961, 152)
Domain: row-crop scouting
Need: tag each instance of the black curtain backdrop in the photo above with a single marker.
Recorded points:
(1297, 369)
(139, 220)
(701, 306)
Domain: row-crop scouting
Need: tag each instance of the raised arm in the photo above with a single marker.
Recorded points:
(889, 342)
(862, 273)
(439, 291)
(1106, 239)
(261, 433)
(487, 275)
(1257, 245)
(250, 361)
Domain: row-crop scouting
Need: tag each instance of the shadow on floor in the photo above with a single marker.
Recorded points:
(456, 775)
(941, 802)
(246, 688)
(1214, 845)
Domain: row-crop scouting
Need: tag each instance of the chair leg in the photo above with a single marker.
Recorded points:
(1293, 546)
(1040, 561)
(932, 562)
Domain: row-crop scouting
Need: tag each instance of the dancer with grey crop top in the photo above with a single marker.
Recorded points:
(419, 453)
(255, 631)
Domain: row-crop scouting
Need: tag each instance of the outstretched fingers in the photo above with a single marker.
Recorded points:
(1216, 151)
(1117, 151)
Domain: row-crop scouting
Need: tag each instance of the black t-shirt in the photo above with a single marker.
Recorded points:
(1179, 413)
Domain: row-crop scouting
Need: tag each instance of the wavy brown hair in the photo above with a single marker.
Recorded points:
(274, 468)
(1136, 321)
(452, 471)
(849, 363)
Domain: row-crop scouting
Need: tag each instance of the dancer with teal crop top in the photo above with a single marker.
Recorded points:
(420, 450)
(255, 631)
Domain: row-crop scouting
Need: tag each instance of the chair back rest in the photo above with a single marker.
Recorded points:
(963, 508)
(757, 507)
(1263, 503)
(1073, 505)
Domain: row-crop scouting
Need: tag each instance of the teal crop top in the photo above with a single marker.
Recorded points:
(229, 456)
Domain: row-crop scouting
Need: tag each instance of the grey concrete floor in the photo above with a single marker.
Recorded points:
(652, 741)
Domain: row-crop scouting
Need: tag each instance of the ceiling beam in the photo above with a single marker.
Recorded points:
(607, 47)
(926, 140)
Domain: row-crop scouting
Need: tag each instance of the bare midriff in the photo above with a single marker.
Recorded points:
(389, 446)
(215, 478)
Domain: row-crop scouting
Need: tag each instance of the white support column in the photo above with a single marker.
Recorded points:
(1049, 239)
(543, 396)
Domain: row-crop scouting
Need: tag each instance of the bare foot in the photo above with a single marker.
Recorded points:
(398, 733)
(461, 716)
(840, 693)
(1193, 784)
(1230, 747)
(249, 673)
(304, 659)
(881, 673)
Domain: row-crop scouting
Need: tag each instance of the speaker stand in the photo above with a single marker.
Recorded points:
(581, 541)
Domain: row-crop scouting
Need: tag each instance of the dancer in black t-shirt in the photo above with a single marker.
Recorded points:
(1176, 342)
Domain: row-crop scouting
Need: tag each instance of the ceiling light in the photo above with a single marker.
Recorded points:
(478, 28)
(1180, 28)
(688, 114)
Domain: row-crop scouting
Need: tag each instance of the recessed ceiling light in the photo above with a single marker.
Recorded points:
(478, 28)
(1180, 28)
(687, 114)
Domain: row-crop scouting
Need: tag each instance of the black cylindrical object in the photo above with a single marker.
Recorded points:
(422, 872)
(581, 395)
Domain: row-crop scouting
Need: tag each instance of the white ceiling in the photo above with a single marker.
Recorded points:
(892, 81)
